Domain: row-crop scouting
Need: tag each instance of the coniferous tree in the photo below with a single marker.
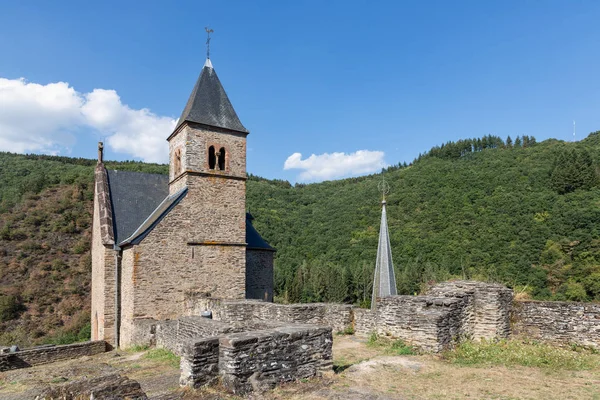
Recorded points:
(573, 169)
(509, 142)
(518, 142)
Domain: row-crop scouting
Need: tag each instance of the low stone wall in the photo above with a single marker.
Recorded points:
(48, 354)
(488, 314)
(173, 334)
(558, 322)
(199, 362)
(257, 361)
(431, 323)
(338, 316)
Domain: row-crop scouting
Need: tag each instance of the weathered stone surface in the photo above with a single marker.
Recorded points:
(431, 323)
(103, 263)
(488, 315)
(558, 322)
(257, 361)
(48, 354)
(338, 316)
(113, 387)
(199, 362)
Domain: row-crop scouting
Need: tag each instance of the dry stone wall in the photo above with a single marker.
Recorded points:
(49, 354)
(558, 322)
(488, 314)
(431, 323)
(199, 362)
(337, 316)
(257, 360)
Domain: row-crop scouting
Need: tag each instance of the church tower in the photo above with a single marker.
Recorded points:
(207, 153)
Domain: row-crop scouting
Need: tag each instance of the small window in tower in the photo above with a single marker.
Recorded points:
(211, 157)
(222, 159)
(177, 162)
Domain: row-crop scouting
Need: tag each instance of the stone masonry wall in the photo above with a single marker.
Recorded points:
(259, 274)
(163, 267)
(431, 323)
(490, 314)
(198, 141)
(257, 361)
(338, 316)
(558, 322)
(199, 362)
(50, 354)
(103, 282)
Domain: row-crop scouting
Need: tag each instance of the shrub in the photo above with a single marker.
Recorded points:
(10, 308)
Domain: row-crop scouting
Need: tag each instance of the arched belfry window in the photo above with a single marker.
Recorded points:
(177, 162)
(212, 160)
(222, 158)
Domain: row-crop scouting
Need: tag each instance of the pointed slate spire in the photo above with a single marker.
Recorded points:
(384, 283)
(209, 105)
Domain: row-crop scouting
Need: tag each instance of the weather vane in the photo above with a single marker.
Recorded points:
(383, 187)
(208, 32)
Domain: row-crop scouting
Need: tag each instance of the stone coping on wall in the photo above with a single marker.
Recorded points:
(49, 354)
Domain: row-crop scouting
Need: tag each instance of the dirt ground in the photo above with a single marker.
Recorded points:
(361, 372)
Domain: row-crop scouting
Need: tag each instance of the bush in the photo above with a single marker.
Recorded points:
(10, 308)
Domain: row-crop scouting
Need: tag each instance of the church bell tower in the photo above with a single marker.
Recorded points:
(207, 153)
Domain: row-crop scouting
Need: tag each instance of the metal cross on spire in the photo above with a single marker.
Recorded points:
(383, 187)
(208, 32)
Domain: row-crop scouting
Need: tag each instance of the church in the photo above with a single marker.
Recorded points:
(158, 238)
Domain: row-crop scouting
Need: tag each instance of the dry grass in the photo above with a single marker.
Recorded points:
(364, 372)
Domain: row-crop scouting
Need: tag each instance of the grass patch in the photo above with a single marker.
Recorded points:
(163, 355)
(138, 348)
(396, 347)
(349, 330)
(527, 354)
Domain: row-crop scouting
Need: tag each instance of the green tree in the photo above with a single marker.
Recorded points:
(573, 169)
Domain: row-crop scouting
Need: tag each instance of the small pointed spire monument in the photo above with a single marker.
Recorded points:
(384, 282)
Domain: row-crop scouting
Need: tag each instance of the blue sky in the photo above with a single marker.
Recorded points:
(391, 79)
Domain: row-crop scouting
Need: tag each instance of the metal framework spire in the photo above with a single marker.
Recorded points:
(384, 281)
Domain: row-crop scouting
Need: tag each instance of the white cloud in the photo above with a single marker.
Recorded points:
(137, 132)
(335, 165)
(46, 119)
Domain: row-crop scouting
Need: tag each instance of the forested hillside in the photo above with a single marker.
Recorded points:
(519, 212)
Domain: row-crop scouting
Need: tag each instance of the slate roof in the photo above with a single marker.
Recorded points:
(134, 196)
(253, 238)
(140, 201)
(209, 105)
(155, 217)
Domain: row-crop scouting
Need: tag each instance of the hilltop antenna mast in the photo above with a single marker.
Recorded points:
(573, 130)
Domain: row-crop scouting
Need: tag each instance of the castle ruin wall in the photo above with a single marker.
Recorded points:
(558, 322)
(49, 354)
